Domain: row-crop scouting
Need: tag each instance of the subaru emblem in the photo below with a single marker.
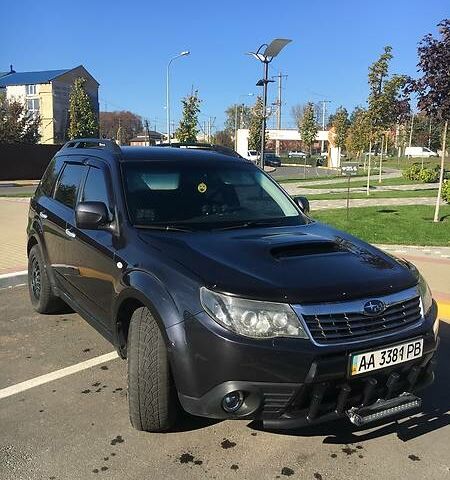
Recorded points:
(374, 307)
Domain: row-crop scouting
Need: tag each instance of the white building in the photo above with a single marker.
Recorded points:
(289, 135)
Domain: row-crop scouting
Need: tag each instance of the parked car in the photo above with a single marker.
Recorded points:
(296, 153)
(253, 155)
(271, 159)
(227, 299)
(419, 152)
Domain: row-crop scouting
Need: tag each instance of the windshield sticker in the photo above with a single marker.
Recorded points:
(202, 187)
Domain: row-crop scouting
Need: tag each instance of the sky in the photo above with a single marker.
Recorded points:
(126, 47)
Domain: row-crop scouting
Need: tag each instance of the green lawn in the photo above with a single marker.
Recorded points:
(375, 194)
(404, 225)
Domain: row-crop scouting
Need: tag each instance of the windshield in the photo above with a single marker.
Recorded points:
(202, 195)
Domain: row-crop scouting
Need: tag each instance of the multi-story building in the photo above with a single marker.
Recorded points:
(47, 93)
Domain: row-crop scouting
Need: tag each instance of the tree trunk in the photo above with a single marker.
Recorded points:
(441, 176)
(381, 159)
(368, 169)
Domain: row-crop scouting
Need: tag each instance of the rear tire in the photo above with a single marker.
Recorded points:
(41, 295)
(152, 396)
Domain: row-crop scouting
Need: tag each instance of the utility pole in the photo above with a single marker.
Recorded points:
(279, 103)
(148, 132)
(324, 109)
(235, 125)
(119, 134)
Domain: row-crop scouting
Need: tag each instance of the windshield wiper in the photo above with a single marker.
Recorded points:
(163, 228)
(250, 223)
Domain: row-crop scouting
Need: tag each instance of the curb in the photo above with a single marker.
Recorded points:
(444, 311)
(13, 279)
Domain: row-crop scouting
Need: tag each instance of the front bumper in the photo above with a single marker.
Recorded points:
(288, 383)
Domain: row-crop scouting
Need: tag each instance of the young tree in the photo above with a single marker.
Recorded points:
(340, 125)
(256, 119)
(358, 134)
(187, 130)
(387, 102)
(17, 125)
(83, 121)
(308, 126)
(433, 87)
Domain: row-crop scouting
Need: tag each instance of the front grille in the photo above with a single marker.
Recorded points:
(343, 326)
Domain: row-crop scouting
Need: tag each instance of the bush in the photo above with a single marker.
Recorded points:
(445, 194)
(426, 175)
(429, 175)
(412, 172)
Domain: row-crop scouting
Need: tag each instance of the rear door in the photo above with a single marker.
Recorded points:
(60, 213)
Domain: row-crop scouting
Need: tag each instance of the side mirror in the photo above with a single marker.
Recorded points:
(91, 215)
(303, 203)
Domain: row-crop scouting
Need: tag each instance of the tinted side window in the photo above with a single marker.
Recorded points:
(49, 178)
(95, 189)
(69, 184)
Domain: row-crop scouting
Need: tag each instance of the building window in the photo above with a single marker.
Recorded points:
(33, 105)
(31, 90)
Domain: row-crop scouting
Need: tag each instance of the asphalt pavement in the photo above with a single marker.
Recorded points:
(302, 172)
(76, 427)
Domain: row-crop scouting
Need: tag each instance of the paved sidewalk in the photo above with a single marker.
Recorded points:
(13, 237)
(393, 174)
(371, 202)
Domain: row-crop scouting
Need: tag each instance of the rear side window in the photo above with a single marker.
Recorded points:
(69, 184)
(95, 189)
(49, 178)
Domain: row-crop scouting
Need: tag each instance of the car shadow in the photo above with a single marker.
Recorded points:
(187, 423)
(435, 411)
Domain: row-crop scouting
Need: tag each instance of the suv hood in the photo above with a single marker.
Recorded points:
(297, 264)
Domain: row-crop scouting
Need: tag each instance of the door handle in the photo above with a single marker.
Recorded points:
(70, 234)
(43, 215)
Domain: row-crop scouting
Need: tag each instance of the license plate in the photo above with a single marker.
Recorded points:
(385, 357)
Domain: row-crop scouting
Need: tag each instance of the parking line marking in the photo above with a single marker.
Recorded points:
(63, 372)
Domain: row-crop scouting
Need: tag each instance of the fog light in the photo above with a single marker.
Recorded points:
(233, 401)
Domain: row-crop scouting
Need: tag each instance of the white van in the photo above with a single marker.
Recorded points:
(253, 155)
(420, 152)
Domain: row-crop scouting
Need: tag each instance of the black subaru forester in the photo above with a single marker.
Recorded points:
(228, 300)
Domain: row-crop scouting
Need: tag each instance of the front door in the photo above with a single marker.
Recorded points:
(94, 273)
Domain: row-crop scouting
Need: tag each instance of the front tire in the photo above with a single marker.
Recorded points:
(41, 295)
(151, 391)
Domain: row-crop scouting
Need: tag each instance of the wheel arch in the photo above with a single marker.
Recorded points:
(142, 290)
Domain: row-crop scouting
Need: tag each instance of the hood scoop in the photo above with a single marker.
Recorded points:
(316, 247)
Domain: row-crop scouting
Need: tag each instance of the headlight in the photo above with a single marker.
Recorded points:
(425, 295)
(252, 318)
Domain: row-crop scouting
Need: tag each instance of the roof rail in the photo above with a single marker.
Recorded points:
(203, 146)
(102, 143)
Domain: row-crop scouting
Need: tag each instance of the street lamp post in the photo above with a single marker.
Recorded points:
(182, 54)
(270, 52)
